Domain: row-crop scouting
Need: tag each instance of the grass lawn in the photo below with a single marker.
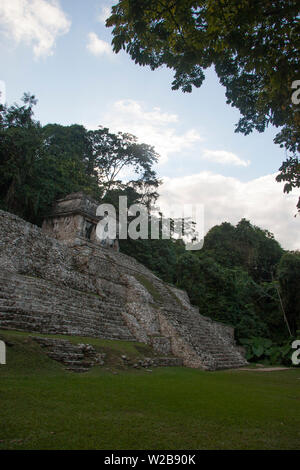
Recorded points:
(42, 406)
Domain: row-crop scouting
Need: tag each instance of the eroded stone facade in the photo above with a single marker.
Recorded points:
(49, 286)
(73, 220)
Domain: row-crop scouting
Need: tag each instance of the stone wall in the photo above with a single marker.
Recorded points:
(83, 289)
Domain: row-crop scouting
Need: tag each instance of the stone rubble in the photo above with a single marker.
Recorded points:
(76, 357)
(154, 362)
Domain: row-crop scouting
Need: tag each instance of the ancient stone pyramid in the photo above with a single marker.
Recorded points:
(81, 288)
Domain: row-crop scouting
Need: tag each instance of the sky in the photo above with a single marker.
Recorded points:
(61, 52)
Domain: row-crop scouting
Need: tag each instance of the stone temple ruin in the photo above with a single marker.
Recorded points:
(73, 220)
(61, 280)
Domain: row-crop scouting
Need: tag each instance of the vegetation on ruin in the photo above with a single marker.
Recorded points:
(241, 277)
(44, 407)
(149, 287)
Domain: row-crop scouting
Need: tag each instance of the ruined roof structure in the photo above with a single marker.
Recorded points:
(60, 280)
(73, 220)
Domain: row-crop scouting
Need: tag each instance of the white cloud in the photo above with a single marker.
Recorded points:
(97, 46)
(2, 92)
(153, 127)
(105, 13)
(224, 157)
(34, 22)
(227, 199)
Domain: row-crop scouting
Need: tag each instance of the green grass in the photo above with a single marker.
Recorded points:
(153, 291)
(174, 295)
(149, 286)
(44, 407)
(23, 345)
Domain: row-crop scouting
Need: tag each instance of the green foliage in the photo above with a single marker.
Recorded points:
(263, 349)
(256, 347)
(111, 153)
(253, 46)
(160, 256)
(149, 287)
(41, 164)
(225, 294)
(245, 245)
(289, 281)
(290, 174)
(21, 146)
(231, 280)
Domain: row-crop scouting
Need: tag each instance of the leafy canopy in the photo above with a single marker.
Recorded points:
(41, 164)
(289, 280)
(253, 45)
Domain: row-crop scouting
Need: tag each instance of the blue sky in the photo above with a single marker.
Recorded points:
(60, 51)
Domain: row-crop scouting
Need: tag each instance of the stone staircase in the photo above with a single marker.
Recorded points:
(215, 351)
(34, 304)
(75, 357)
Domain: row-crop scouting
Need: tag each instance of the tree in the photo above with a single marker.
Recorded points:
(41, 164)
(247, 246)
(159, 255)
(21, 145)
(253, 45)
(101, 156)
(112, 153)
(289, 280)
(224, 294)
(290, 174)
(231, 279)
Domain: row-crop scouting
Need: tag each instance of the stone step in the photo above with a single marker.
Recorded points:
(215, 354)
(38, 283)
(168, 362)
(112, 321)
(76, 357)
(70, 298)
(37, 327)
(41, 304)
